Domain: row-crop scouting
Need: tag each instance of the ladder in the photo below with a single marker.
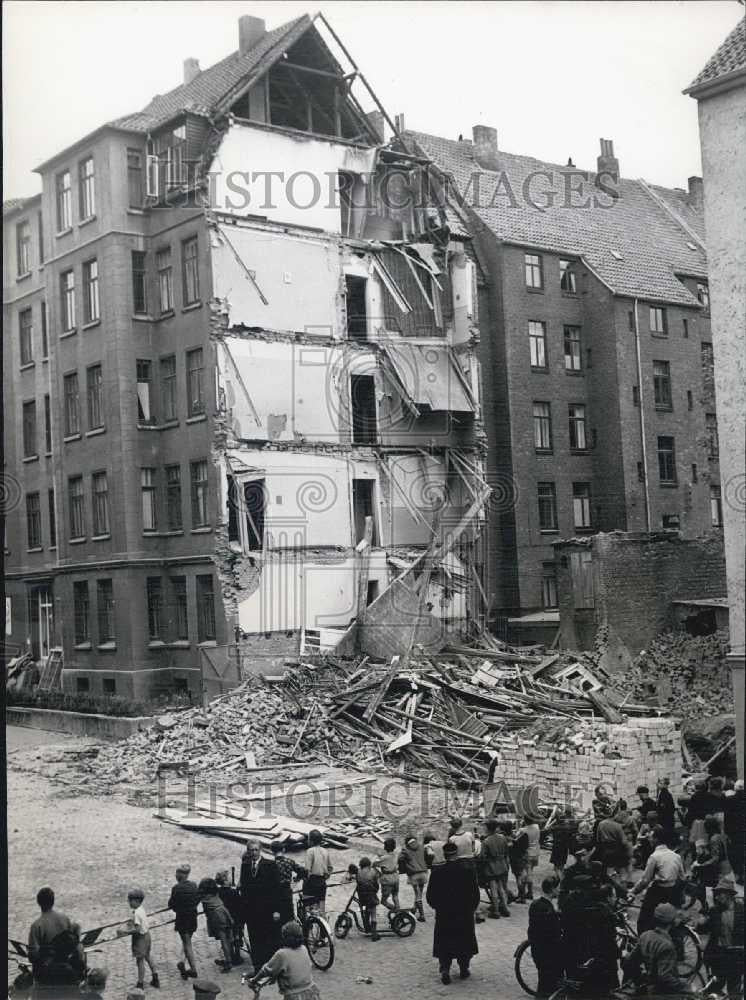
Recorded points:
(51, 674)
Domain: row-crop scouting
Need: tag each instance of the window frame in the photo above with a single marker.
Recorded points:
(712, 437)
(662, 388)
(703, 295)
(574, 422)
(195, 379)
(542, 422)
(52, 513)
(568, 272)
(581, 503)
(165, 274)
(149, 497)
(105, 611)
(132, 172)
(76, 504)
(29, 429)
(206, 620)
(154, 603)
(91, 292)
(575, 343)
(143, 365)
(667, 457)
(67, 301)
(86, 189)
(716, 506)
(26, 336)
(199, 487)
(662, 329)
(169, 388)
(23, 248)
(190, 290)
(34, 538)
(174, 497)
(533, 264)
(64, 201)
(547, 492)
(94, 384)
(72, 404)
(180, 602)
(534, 338)
(101, 522)
(81, 613)
(549, 573)
(139, 274)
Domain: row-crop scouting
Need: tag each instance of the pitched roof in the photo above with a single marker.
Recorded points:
(16, 204)
(730, 58)
(210, 85)
(636, 245)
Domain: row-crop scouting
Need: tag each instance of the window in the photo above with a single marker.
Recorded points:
(165, 279)
(542, 427)
(23, 248)
(199, 494)
(248, 499)
(109, 685)
(94, 393)
(364, 411)
(703, 294)
(666, 460)
(173, 498)
(640, 473)
(82, 685)
(64, 201)
(685, 325)
(105, 602)
(581, 570)
(149, 509)
(658, 323)
(533, 270)
(577, 426)
(67, 300)
(44, 337)
(168, 387)
(29, 429)
(144, 392)
(635, 395)
(26, 336)
(91, 311)
(548, 585)
(537, 339)
(139, 283)
(689, 400)
(713, 439)
(716, 507)
(181, 608)
(547, 507)
(573, 362)
(662, 385)
(81, 612)
(671, 522)
(77, 506)
(568, 282)
(33, 520)
(195, 386)
(695, 475)
(40, 229)
(363, 506)
(581, 505)
(100, 501)
(47, 425)
(72, 404)
(205, 609)
(155, 608)
(357, 318)
(190, 271)
(135, 185)
(52, 520)
(87, 189)
(631, 321)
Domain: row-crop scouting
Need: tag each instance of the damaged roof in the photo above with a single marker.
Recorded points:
(204, 93)
(636, 245)
(728, 62)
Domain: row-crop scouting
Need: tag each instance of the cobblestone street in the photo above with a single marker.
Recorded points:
(92, 850)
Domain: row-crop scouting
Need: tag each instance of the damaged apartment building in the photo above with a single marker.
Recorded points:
(241, 382)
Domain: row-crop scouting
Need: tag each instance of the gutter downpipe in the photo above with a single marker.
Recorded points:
(641, 396)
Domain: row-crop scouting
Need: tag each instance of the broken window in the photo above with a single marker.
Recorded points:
(373, 590)
(246, 504)
(567, 277)
(363, 493)
(572, 349)
(357, 317)
(346, 186)
(363, 401)
(413, 304)
(581, 568)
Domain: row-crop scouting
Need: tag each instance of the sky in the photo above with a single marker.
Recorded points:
(551, 77)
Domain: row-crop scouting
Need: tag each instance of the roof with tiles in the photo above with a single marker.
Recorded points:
(210, 85)
(634, 243)
(729, 58)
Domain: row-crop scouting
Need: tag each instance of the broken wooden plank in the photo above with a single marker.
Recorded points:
(378, 695)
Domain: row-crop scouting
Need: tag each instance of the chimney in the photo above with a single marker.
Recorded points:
(696, 193)
(191, 69)
(400, 124)
(377, 123)
(608, 165)
(485, 146)
(250, 31)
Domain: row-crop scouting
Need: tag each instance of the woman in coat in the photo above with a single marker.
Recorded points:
(454, 895)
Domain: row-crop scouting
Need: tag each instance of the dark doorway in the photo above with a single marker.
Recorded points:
(362, 507)
(357, 317)
(373, 591)
(253, 495)
(363, 401)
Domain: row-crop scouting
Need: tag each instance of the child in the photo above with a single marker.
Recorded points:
(95, 984)
(184, 900)
(319, 867)
(388, 869)
(231, 900)
(288, 870)
(366, 878)
(433, 850)
(219, 923)
(413, 861)
(644, 844)
(290, 967)
(139, 928)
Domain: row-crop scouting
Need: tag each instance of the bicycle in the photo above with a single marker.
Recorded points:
(317, 934)
(401, 922)
(688, 949)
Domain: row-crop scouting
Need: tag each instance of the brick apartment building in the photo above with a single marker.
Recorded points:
(596, 355)
(231, 420)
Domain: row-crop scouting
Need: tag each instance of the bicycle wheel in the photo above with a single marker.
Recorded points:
(403, 924)
(342, 925)
(525, 971)
(688, 953)
(320, 943)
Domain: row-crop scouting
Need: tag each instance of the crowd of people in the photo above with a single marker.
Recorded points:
(690, 855)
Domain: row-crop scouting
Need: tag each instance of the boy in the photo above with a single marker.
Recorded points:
(184, 900)
(219, 923)
(366, 878)
(231, 900)
(413, 861)
(138, 928)
(319, 866)
(388, 869)
(545, 937)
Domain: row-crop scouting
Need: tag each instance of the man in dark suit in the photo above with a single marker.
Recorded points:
(260, 890)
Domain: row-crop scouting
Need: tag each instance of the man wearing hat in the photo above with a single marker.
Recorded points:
(184, 901)
(454, 895)
(653, 959)
(725, 925)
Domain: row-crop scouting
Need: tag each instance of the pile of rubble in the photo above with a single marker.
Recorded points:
(687, 674)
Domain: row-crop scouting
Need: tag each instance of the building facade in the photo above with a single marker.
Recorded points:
(237, 413)
(597, 357)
